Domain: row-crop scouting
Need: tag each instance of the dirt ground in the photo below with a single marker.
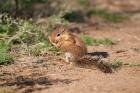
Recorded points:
(48, 74)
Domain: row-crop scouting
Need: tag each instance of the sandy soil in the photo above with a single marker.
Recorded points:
(49, 74)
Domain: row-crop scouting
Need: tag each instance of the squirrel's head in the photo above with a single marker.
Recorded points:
(60, 33)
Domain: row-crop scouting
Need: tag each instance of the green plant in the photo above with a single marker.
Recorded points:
(54, 49)
(105, 41)
(27, 35)
(112, 17)
(5, 58)
(24, 31)
(7, 5)
(90, 41)
(35, 50)
(136, 49)
(87, 39)
(135, 65)
(117, 64)
(83, 2)
(7, 25)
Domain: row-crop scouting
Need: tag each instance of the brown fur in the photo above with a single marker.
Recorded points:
(75, 49)
(68, 42)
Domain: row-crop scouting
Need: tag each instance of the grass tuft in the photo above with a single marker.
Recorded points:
(5, 58)
(87, 39)
(90, 41)
(25, 33)
(117, 64)
(136, 49)
(135, 65)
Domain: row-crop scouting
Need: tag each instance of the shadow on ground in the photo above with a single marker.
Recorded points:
(30, 84)
(101, 54)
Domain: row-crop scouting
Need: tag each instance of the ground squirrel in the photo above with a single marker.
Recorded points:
(75, 49)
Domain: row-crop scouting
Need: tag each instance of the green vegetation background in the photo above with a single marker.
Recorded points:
(19, 29)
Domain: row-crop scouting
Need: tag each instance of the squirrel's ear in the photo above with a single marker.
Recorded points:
(63, 30)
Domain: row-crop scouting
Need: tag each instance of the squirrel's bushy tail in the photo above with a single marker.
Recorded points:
(90, 61)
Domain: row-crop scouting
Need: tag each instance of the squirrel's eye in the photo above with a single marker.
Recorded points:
(58, 34)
